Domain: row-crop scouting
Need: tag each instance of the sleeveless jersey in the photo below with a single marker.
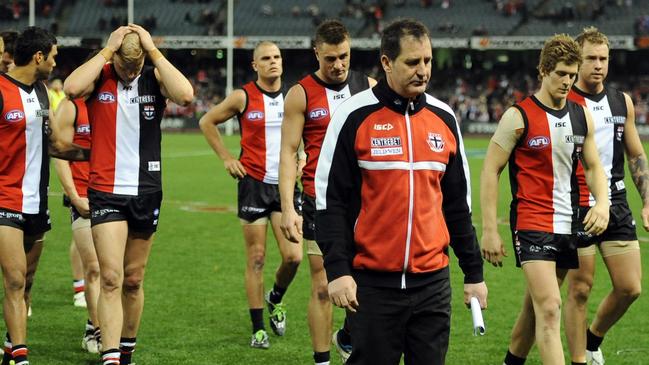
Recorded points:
(261, 130)
(543, 167)
(24, 160)
(322, 100)
(81, 169)
(125, 131)
(609, 112)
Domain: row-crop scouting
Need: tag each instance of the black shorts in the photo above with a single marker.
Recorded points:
(66, 201)
(30, 224)
(257, 199)
(544, 246)
(621, 226)
(141, 212)
(308, 217)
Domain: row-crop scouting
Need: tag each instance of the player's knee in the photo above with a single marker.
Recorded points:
(580, 291)
(133, 281)
(292, 261)
(110, 280)
(549, 310)
(257, 263)
(15, 280)
(321, 291)
(629, 293)
(92, 272)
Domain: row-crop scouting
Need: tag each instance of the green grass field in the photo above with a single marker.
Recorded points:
(196, 312)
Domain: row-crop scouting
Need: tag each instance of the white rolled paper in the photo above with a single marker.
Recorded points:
(476, 314)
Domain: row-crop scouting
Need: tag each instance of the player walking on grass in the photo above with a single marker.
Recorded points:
(615, 133)
(72, 118)
(24, 167)
(308, 109)
(126, 101)
(259, 106)
(543, 137)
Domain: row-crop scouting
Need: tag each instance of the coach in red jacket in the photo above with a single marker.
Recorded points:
(392, 192)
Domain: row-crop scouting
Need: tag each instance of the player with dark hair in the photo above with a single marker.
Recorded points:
(126, 101)
(24, 165)
(259, 107)
(307, 110)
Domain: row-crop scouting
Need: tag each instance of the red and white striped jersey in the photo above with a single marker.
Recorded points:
(322, 100)
(24, 161)
(543, 167)
(125, 131)
(609, 112)
(81, 169)
(261, 131)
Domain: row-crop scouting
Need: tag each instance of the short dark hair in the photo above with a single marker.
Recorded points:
(392, 34)
(31, 41)
(331, 31)
(9, 37)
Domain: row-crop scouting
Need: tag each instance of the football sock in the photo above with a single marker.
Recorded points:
(79, 285)
(276, 294)
(257, 318)
(344, 335)
(593, 341)
(19, 354)
(321, 358)
(110, 357)
(6, 357)
(511, 359)
(90, 329)
(126, 348)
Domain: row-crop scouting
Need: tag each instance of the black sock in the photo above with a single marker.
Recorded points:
(257, 318)
(276, 294)
(110, 357)
(511, 359)
(19, 354)
(593, 341)
(126, 349)
(320, 357)
(6, 357)
(344, 334)
(578, 363)
(97, 334)
(90, 329)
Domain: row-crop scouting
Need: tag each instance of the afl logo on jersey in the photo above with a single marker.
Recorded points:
(14, 116)
(106, 97)
(255, 115)
(538, 142)
(148, 111)
(83, 129)
(317, 114)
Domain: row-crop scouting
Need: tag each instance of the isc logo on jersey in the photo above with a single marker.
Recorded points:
(106, 97)
(538, 142)
(14, 116)
(255, 115)
(318, 113)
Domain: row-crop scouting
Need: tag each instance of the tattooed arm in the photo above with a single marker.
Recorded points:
(637, 160)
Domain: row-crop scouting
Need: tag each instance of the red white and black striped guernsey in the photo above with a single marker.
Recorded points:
(261, 130)
(322, 100)
(24, 160)
(81, 169)
(543, 167)
(609, 112)
(125, 132)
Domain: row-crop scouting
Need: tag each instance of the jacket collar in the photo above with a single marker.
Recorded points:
(396, 102)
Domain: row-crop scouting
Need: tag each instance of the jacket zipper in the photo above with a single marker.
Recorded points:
(411, 191)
